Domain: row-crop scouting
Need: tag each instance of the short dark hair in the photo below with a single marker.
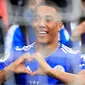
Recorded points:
(51, 4)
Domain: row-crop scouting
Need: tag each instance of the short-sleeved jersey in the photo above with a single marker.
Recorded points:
(63, 58)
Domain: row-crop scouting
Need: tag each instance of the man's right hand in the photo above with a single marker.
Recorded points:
(18, 66)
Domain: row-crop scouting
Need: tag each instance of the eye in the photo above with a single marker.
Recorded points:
(48, 19)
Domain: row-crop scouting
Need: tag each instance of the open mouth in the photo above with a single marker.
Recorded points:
(43, 32)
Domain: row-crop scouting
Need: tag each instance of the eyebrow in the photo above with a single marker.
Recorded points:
(50, 17)
(47, 16)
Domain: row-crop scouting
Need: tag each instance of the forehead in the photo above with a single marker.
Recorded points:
(46, 10)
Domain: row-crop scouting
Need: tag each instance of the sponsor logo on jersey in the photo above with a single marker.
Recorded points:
(25, 48)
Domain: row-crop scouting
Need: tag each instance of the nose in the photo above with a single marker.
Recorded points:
(42, 22)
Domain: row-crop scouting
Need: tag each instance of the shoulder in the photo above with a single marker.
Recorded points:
(69, 53)
(68, 50)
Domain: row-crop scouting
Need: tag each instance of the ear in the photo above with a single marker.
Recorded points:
(60, 25)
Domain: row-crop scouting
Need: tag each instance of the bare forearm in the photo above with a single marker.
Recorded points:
(62, 76)
(2, 76)
(68, 78)
(5, 74)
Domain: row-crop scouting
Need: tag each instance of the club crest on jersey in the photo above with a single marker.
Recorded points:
(59, 68)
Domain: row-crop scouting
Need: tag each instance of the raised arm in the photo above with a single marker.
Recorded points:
(17, 66)
(67, 78)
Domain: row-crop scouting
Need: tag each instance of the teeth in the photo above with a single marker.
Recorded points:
(42, 32)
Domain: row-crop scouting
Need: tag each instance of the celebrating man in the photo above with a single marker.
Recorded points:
(47, 24)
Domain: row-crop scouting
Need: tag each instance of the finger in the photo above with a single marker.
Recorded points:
(35, 72)
(22, 59)
(28, 57)
(28, 71)
(41, 60)
(43, 64)
(38, 71)
(23, 69)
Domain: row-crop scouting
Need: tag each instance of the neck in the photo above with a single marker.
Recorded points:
(46, 49)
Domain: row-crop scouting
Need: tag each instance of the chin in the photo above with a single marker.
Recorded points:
(45, 42)
(42, 42)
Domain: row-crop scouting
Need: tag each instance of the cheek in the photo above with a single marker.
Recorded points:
(49, 25)
(52, 26)
(53, 30)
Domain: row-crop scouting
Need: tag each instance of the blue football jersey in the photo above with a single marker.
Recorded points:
(63, 58)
